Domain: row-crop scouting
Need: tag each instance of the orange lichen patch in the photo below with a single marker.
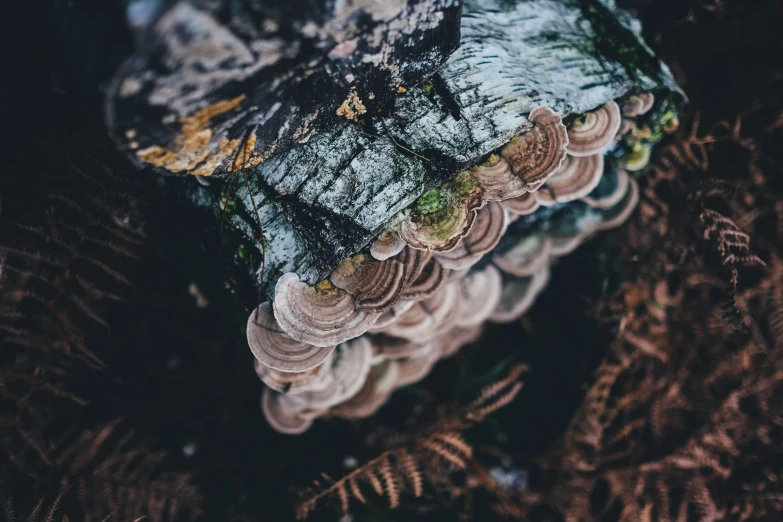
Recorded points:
(401, 89)
(352, 107)
(191, 150)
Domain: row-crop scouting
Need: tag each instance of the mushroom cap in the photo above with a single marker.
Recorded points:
(480, 292)
(276, 349)
(376, 285)
(458, 337)
(414, 261)
(488, 229)
(280, 417)
(325, 316)
(388, 244)
(425, 318)
(571, 229)
(535, 155)
(611, 189)
(521, 205)
(576, 178)
(638, 104)
(619, 214)
(518, 296)
(391, 315)
(527, 257)
(352, 364)
(594, 131)
(294, 383)
(432, 277)
(497, 179)
(373, 394)
(414, 369)
(440, 230)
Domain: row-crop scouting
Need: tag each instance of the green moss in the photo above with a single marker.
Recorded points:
(427, 86)
(242, 251)
(463, 185)
(430, 202)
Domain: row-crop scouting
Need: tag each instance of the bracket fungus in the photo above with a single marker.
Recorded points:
(388, 244)
(479, 295)
(322, 316)
(431, 278)
(593, 132)
(575, 179)
(638, 104)
(375, 285)
(281, 418)
(611, 189)
(538, 153)
(518, 296)
(521, 205)
(295, 382)
(439, 219)
(278, 350)
(526, 257)
(488, 228)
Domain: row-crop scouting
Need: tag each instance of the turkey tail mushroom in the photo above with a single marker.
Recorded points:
(488, 229)
(576, 178)
(280, 417)
(538, 153)
(527, 257)
(638, 104)
(438, 221)
(521, 205)
(388, 244)
(276, 349)
(611, 189)
(376, 285)
(321, 316)
(518, 296)
(432, 277)
(479, 296)
(593, 132)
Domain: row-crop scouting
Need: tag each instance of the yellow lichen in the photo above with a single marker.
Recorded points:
(191, 150)
(352, 107)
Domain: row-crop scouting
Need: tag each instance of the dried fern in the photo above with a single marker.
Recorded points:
(428, 454)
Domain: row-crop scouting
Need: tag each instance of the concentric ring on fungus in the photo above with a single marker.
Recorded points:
(388, 244)
(280, 417)
(448, 345)
(376, 285)
(479, 295)
(431, 279)
(611, 189)
(321, 316)
(518, 296)
(297, 382)
(438, 230)
(497, 179)
(593, 132)
(536, 154)
(396, 347)
(353, 361)
(521, 205)
(575, 179)
(527, 257)
(488, 229)
(278, 350)
(638, 104)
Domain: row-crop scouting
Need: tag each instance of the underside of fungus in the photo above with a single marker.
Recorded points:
(476, 249)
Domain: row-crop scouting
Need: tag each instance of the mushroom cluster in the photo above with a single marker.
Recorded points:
(476, 249)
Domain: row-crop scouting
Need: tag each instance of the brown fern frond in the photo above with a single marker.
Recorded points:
(436, 450)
